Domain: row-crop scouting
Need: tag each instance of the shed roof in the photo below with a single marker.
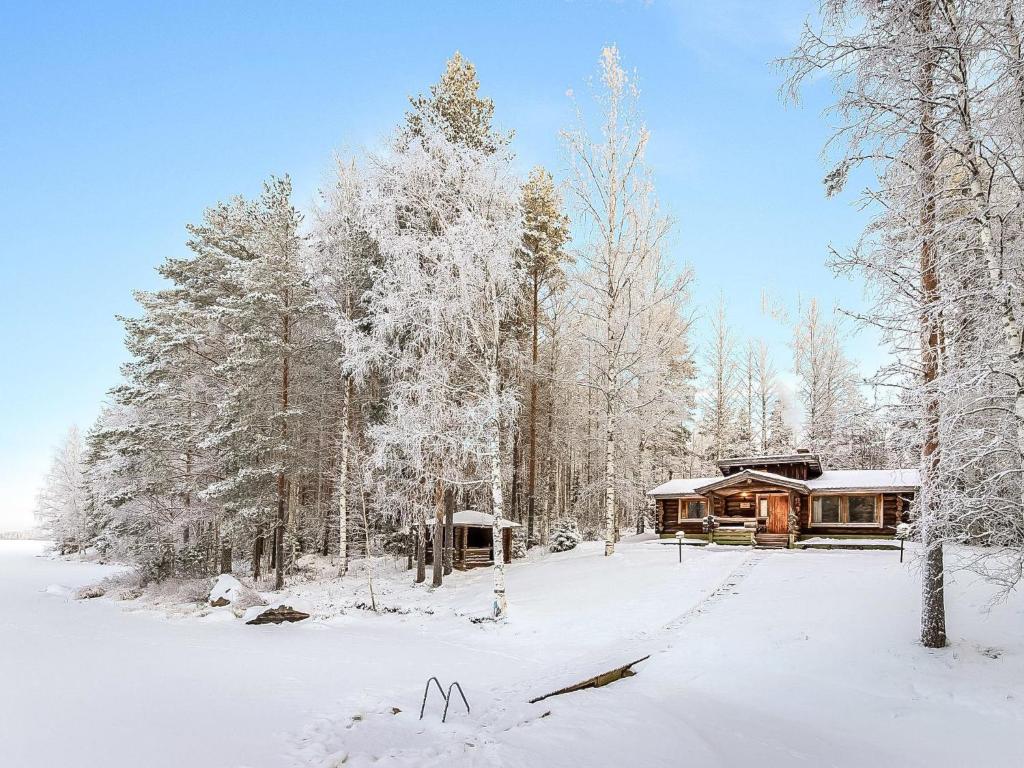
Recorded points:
(471, 518)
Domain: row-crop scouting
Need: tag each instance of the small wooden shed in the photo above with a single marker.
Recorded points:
(474, 539)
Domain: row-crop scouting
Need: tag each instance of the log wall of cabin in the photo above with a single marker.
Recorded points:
(668, 517)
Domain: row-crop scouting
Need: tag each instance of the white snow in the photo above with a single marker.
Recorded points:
(226, 587)
(682, 486)
(866, 479)
(852, 542)
(475, 519)
(773, 658)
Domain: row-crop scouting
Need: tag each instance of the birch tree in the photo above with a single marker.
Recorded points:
(446, 221)
(62, 503)
(623, 275)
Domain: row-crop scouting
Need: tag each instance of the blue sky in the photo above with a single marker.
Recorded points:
(122, 121)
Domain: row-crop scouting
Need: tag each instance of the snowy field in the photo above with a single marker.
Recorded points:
(779, 658)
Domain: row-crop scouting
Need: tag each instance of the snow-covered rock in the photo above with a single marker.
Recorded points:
(227, 590)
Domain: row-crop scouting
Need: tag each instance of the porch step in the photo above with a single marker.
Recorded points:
(733, 536)
(772, 540)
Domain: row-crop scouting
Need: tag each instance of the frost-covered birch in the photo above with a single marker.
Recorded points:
(624, 279)
(446, 223)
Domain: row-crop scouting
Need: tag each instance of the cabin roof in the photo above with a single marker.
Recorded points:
(471, 518)
(753, 475)
(885, 480)
(682, 486)
(812, 461)
(866, 480)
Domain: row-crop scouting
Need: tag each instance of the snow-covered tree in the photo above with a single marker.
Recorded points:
(629, 296)
(930, 96)
(62, 502)
(720, 390)
(446, 222)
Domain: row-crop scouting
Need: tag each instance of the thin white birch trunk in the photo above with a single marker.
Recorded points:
(609, 491)
(343, 481)
(500, 608)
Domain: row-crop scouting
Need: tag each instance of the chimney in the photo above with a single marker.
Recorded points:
(803, 450)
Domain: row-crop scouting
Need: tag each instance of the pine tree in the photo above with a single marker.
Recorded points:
(545, 233)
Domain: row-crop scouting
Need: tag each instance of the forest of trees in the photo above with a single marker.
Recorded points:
(438, 333)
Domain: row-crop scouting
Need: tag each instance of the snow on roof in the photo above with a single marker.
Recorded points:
(471, 518)
(771, 458)
(866, 479)
(683, 486)
(830, 480)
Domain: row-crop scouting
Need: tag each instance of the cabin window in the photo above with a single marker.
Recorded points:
(861, 509)
(827, 509)
(690, 510)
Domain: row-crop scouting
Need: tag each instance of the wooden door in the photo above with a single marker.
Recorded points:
(778, 513)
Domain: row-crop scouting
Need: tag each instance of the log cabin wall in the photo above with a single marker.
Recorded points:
(668, 518)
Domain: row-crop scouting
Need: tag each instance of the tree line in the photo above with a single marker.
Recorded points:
(436, 333)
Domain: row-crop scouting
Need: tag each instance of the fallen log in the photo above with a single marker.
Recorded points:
(598, 681)
(278, 615)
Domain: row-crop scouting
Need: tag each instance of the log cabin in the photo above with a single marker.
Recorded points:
(778, 500)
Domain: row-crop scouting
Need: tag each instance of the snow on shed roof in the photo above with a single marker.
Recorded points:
(682, 486)
(866, 479)
(471, 518)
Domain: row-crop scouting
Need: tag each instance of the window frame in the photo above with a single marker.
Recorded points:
(683, 510)
(844, 511)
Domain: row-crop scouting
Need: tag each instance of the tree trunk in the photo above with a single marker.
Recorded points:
(281, 483)
(449, 530)
(421, 550)
(257, 553)
(611, 528)
(346, 406)
(225, 557)
(514, 495)
(531, 481)
(437, 561)
(500, 608)
(933, 609)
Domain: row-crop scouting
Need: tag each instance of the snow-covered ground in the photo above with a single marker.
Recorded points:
(779, 658)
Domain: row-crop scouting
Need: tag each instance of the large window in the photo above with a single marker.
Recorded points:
(827, 509)
(861, 509)
(846, 510)
(691, 509)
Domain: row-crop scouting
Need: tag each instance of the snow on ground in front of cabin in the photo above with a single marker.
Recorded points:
(779, 658)
(851, 542)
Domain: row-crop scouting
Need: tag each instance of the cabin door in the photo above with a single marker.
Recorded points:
(778, 513)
